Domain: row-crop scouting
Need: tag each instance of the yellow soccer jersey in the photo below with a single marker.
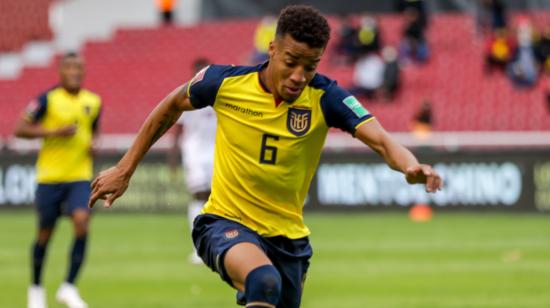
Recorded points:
(266, 154)
(65, 159)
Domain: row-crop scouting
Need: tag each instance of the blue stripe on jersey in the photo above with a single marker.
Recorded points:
(203, 92)
(95, 123)
(40, 111)
(337, 113)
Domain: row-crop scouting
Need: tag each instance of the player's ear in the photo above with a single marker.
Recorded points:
(271, 49)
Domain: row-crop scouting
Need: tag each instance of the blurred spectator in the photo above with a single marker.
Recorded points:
(264, 34)
(542, 49)
(356, 41)
(368, 75)
(499, 50)
(368, 36)
(422, 122)
(346, 44)
(418, 5)
(491, 16)
(523, 68)
(391, 72)
(376, 75)
(166, 9)
(414, 45)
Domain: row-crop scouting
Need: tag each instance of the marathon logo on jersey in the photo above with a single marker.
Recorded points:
(298, 121)
(233, 233)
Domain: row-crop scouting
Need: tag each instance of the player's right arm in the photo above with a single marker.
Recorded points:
(28, 130)
(112, 183)
(29, 125)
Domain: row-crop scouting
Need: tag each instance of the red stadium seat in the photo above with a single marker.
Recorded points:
(23, 21)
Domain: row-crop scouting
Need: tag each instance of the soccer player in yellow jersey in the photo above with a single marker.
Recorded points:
(66, 119)
(272, 122)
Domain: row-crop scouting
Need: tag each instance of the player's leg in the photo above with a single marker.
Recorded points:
(236, 253)
(252, 273)
(48, 200)
(77, 200)
(293, 279)
(292, 269)
(80, 218)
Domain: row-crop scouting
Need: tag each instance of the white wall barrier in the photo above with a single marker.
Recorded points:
(488, 180)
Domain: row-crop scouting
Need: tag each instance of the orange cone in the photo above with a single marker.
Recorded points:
(420, 212)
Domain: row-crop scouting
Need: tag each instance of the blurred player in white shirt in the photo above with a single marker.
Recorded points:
(197, 152)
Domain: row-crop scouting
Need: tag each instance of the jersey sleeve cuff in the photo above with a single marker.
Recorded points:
(367, 120)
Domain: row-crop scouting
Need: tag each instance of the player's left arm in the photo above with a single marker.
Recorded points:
(397, 156)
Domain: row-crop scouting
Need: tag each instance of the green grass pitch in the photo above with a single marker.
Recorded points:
(360, 260)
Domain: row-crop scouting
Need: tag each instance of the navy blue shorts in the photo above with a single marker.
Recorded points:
(54, 200)
(214, 235)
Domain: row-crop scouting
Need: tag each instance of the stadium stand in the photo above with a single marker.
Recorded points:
(134, 69)
(23, 21)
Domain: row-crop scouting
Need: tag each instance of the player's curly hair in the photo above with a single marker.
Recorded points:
(305, 24)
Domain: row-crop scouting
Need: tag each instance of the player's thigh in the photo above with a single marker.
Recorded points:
(78, 194)
(48, 200)
(228, 248)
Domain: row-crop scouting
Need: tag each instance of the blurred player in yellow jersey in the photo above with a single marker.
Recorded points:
(272, 122)
(66, 119)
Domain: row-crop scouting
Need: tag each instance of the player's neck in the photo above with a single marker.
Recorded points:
(72, 91)
(266, 83)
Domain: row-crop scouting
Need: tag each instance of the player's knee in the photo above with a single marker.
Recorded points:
(81, 224)
(81, 231)
(44, 236)
(263, 284)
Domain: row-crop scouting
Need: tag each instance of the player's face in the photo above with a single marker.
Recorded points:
(293, 65)
(71, 71)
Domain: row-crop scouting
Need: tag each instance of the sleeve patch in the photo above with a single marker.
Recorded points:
(36, 109)
(32, 107)
(199, 76)
(354, 105)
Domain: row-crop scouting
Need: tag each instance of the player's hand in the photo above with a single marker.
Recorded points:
(109, 185)
(424, 174)
(65, 131)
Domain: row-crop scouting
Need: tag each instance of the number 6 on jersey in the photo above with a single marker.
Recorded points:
(268, 154)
